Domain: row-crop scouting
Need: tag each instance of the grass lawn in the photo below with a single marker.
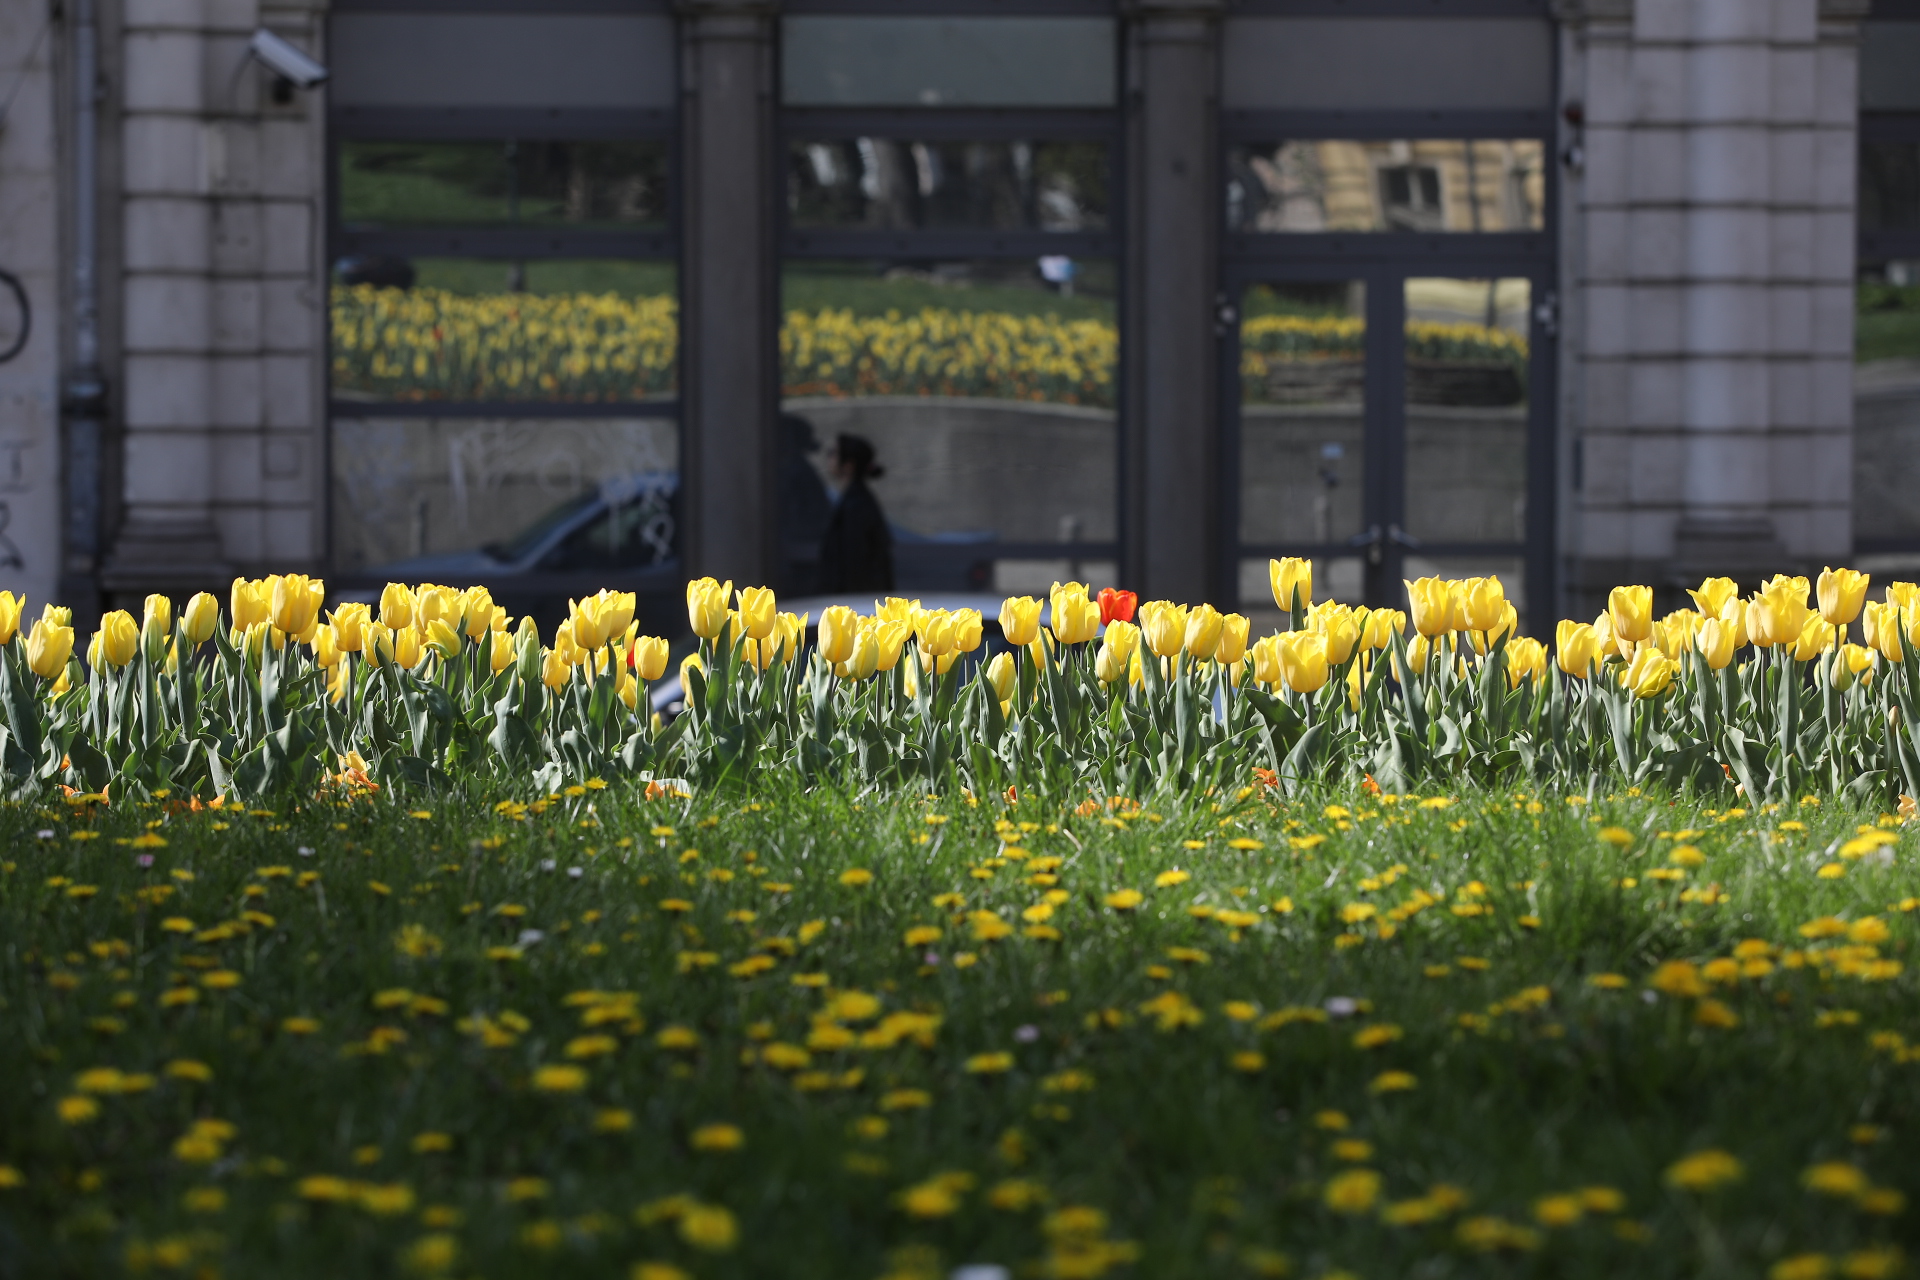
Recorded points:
(603, 1036)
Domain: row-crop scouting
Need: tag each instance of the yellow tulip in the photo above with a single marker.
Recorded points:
(910, 676)
(1233, 640)
(117, 640)
(1631, 609)
(1526, 657)
(1814, 639)
(1303, 661)
(1164, 626)
(1841, 593)
(650, 655)
(500, 650)
(1575, 646)
(479, 612)
(691, 662)
(406, 647)
(11, 607)
(1341, 628)
(326, 647)
(968, 627)
(590, 622)
(396, 606)
(295, 602)
(200, 617)
(1266, 660)
(1431, 604)
(1109, 664)
(791, 631)
(376, 644)
(49, 645)
(1001, 674)
(1292, 582)
(1649, 674)
(435, 603)
(1715, 640)
(890, 637)
(1020, 620)
(629, 690)
(1880, 627)
(246, 605)
(555, 670)
(896, 609)
(1418, 652)
(1859, 658)
(350, 622)
(1713, 594)
(1603, 631)
(865, 659)
(156, 627)
(757, 610)
(1203, 631)
(443, 639)
(57, 615)
(937, 639)
(1122, 637)
(839, 627)
(1734, 614)
(1382, 625)
(707, 602)
(1486, 605)
(1075, 618)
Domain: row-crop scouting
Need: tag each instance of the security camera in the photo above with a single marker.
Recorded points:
(284, 60)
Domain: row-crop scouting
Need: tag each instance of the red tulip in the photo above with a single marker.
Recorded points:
(1117, 606)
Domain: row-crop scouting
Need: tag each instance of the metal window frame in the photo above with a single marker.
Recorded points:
(1384, 261)
(1391, 8)
(1066, 124)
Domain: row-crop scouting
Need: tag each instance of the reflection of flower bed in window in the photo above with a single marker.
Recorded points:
(1322, 359)
(429, 344)
(949, 353)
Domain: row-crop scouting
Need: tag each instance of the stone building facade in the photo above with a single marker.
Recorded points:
(1629, 228)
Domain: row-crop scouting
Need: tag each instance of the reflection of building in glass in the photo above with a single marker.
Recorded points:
(1431, 184)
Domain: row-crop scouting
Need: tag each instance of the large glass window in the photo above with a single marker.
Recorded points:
(570, 331)
(504, 182)
(987, 388)
(1425, 184)
(894, 183)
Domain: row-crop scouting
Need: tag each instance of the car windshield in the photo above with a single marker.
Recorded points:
(528, 540)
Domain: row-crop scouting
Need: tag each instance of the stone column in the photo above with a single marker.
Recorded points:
(729, 373)
(1174, 537)
(1716, 265)
(30, 551)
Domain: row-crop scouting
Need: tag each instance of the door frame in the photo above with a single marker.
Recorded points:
(1383, 262)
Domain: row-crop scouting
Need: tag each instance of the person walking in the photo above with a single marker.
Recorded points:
(856, 553)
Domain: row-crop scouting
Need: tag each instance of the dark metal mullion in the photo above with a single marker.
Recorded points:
(1459, 252)
(1542, 467)
(1375, 125)
(945, 244)
(1393, 8)
(945, 124)
(1385, 427)
(1228, 482)
(490, 124)
(509, 242)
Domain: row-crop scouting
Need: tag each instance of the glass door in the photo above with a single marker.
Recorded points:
(1391, 425)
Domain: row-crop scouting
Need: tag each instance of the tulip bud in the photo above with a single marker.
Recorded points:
(707, 606)
(1816, 638)
(1341, 628)
(11, 607)
(1266, 661)
(1001, 675)
(1631, 609)
(117, 640)
(1486, 605)
(1575, 645)
(1292, 582)
(865, 659)
(500, 650)
(1124, 638)
(478, 608)
(555, 670)
(326, 647)
(156, 628)
(200, 617)
(839, 628)
(1431, 604)
(589, 622)
(937, 638)
(49, 644)
(1841, 593)
(650, 655)
(1109, 664)
(376, 644)
(396, 607)
(1020, 620)
(757, 610)
(1526, 658)
(406, 647)
(1233, 640)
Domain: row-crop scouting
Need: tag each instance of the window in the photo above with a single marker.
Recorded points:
(1423, 184)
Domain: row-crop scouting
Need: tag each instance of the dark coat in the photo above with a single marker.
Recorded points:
(856, 553)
